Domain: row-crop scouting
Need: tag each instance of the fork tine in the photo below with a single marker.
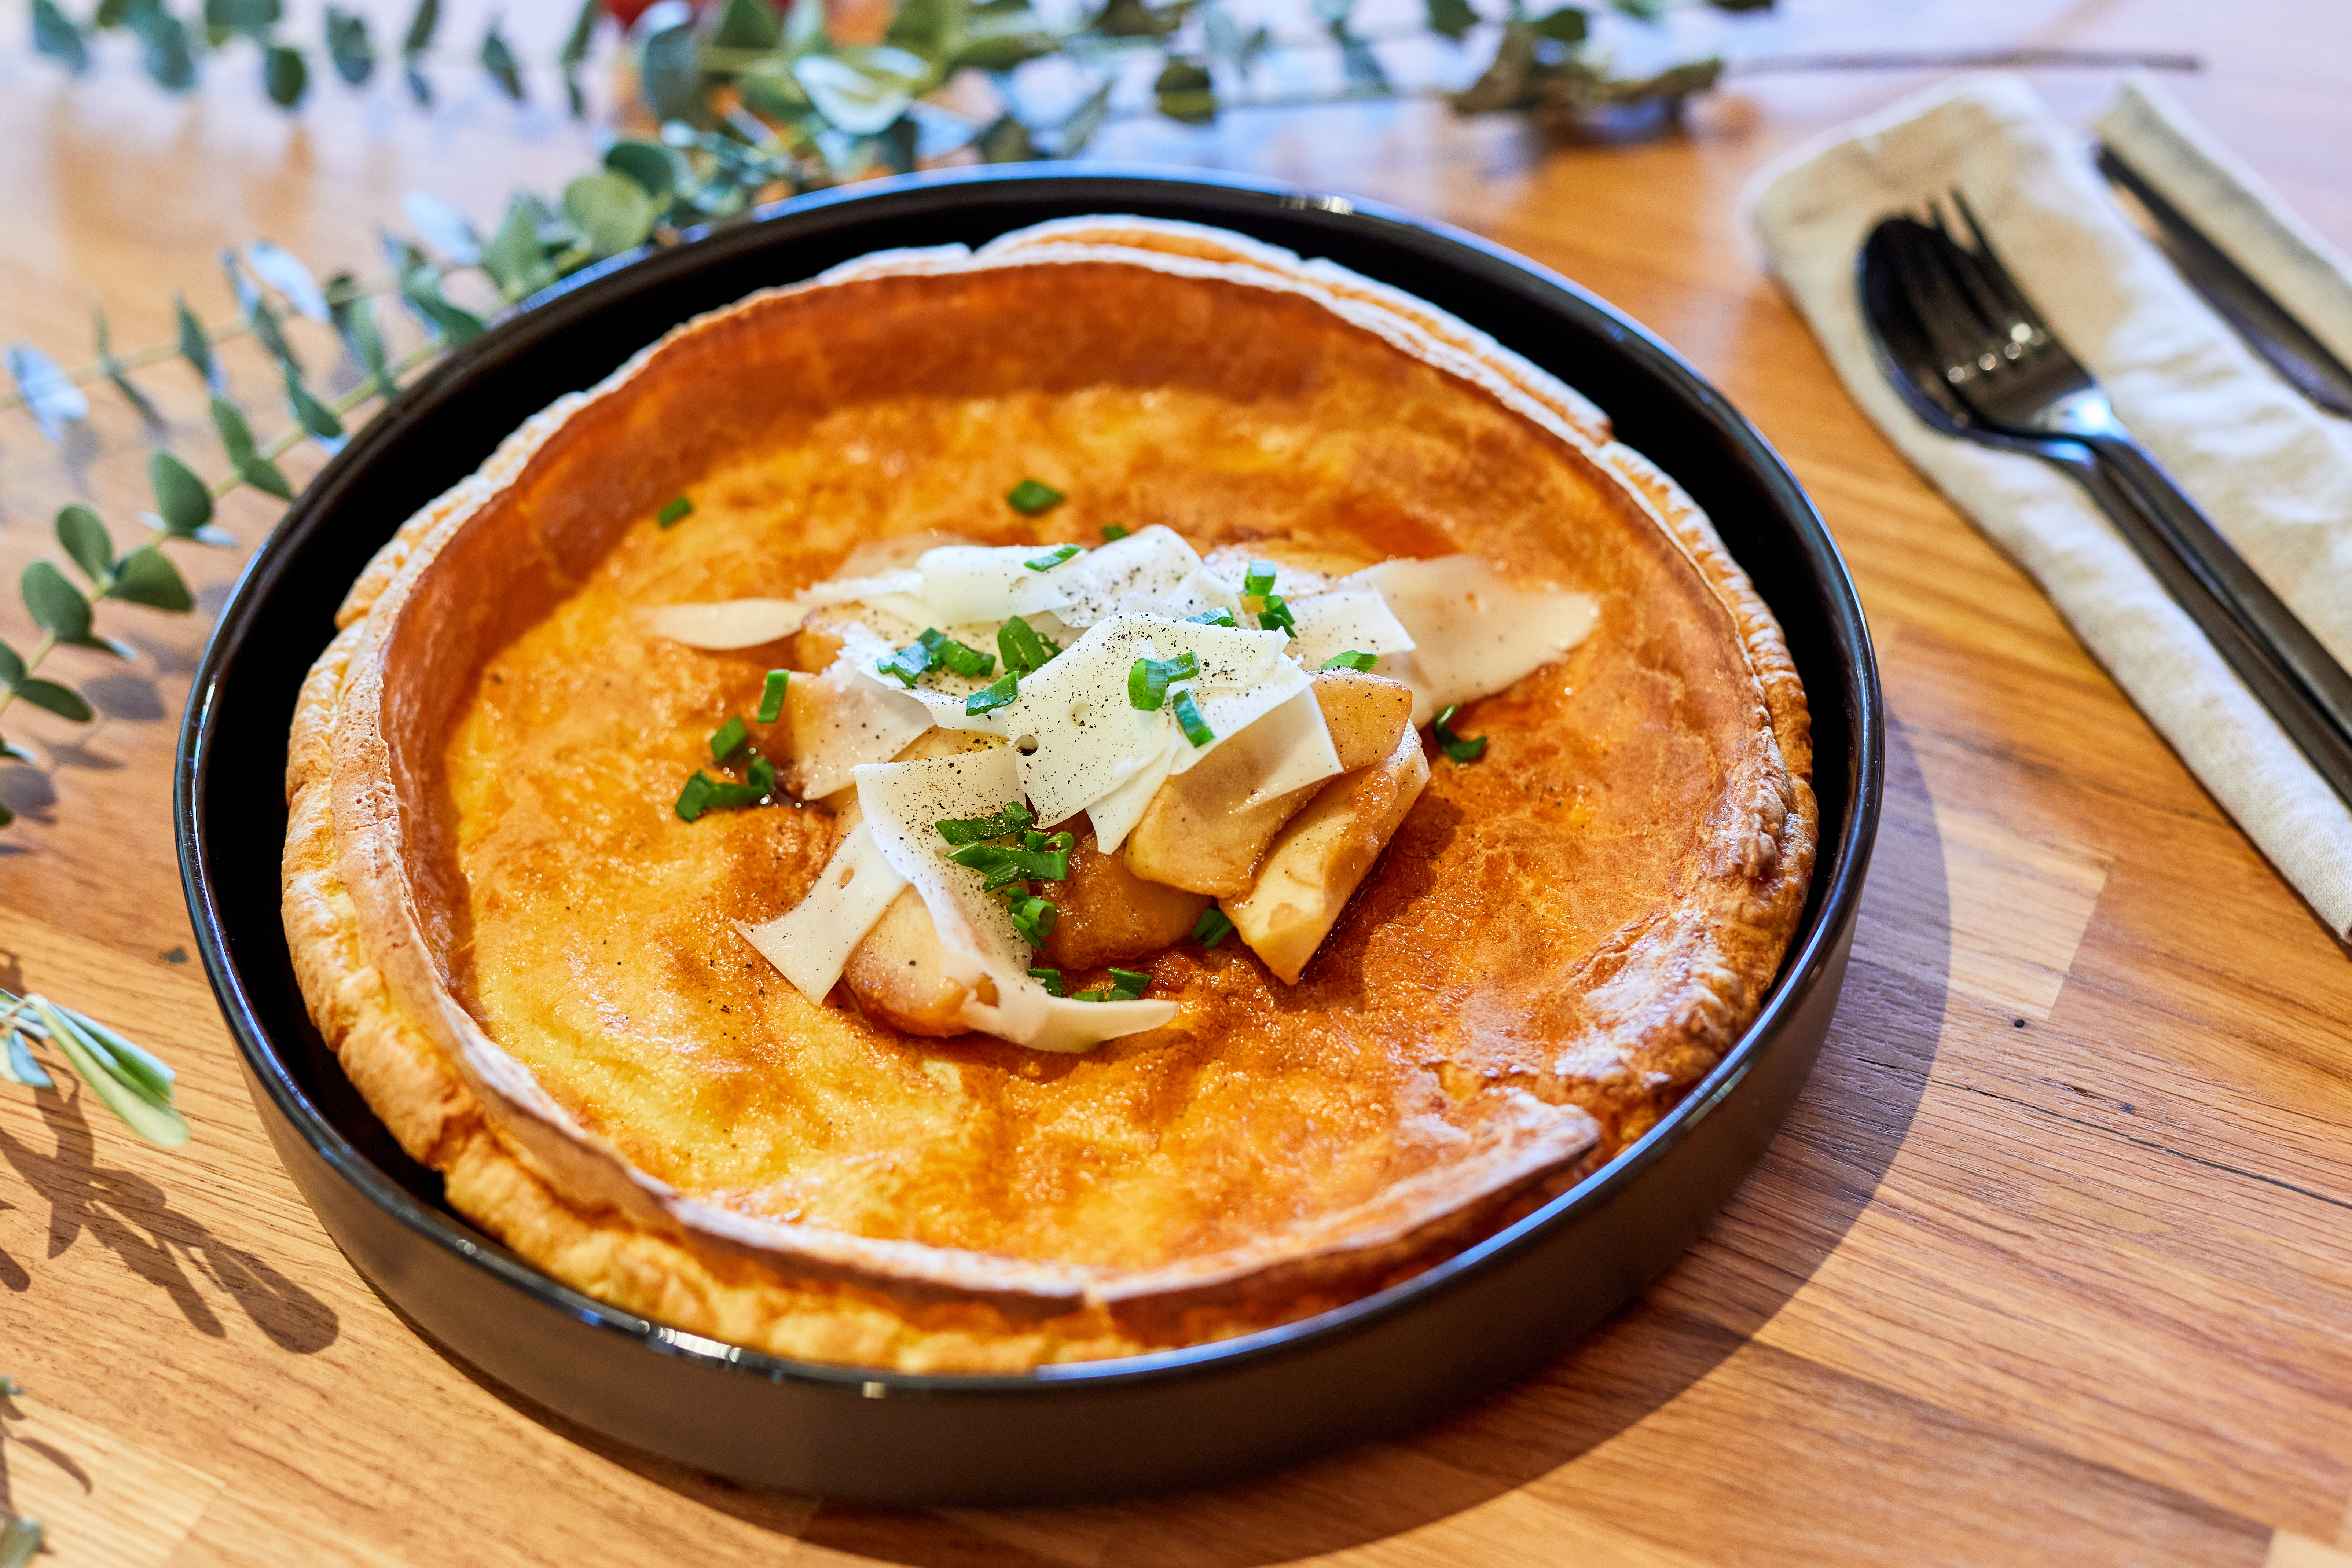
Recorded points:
(1948, 317)
(1996, 271)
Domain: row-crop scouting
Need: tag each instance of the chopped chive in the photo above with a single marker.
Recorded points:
(1213, 927)
(1461, 748)
(999, 693)
(1014, 817)
(1354, 659)
(1046, 561)
(1188, 719)
(909, 664)
(703, 793)
(772, 695)
(678, 511)
(1148, 678)
(1034, 918)
(1259, 583)
(1023, 647)
(1216, 617)
(1114, 531)
(1276, 616)
(1051, 979)
(729, 739)
(1031, 497)
(993, 861)
(954, 657)
(1127, 984)
(695, 798)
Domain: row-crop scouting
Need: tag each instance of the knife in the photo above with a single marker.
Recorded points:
(2266, 325)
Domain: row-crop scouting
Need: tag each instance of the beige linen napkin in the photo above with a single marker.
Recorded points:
(2274, 473)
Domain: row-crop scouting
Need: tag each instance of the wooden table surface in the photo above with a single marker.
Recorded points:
(2052, 1263)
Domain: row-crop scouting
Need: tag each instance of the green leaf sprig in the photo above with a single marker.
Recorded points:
(131, 1081)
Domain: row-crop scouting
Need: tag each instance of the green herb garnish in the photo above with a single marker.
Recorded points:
(1031, 497)
(1354, 659)
(1024, 648)
(1213, 927)
(1046, 561)
(1047, 860)
(1259, 582)
(729, 739)
(954, 657)
(1148, 678)
(999, 693)
(1462, 749)
(1276, 616)
(702, 792)
(1034, 918)
(1188, 719)
(1216, 617)
(1015, 817)
(771, 696)
(909, 664)
(678, 511)
(1051, 979)
(1113, 531)
(1126, 986)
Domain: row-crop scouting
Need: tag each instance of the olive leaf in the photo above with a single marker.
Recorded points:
(146, 576)
(283, 270)
(1454, 19)
(83, 538)
(55, 35)
(444, 227)
(17, 1066)
(1184, 94)
(242, 455)
(114, 371)
(133, 1084)
(612, 210)
(181, 497)
(499, 61)
(285, 75)
(49, 393)
(194, 347)
(348, 47)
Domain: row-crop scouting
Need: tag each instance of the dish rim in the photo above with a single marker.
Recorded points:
(1845, 865)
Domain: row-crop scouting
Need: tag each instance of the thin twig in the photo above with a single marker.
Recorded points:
(285, 440)
(1965, 59)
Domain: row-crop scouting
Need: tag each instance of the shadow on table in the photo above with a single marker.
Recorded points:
(1782, 1225)
(133, 1218)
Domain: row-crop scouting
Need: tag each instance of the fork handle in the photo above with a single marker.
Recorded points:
(2272, 685)
(2227, 576)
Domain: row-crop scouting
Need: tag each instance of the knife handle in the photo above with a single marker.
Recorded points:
(2328, 750)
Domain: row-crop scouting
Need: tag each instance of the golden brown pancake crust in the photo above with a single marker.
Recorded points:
(526, 961)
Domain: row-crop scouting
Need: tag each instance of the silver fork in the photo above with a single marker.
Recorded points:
(1908, 300)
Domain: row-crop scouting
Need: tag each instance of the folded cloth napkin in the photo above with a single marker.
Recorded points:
(2273, 472)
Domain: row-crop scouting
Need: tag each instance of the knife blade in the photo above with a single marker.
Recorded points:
(2266, 325)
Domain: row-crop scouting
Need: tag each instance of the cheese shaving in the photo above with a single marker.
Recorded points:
(810, 942)
(1475, 632)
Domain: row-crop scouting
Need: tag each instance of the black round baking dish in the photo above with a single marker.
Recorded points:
(1064, 1432)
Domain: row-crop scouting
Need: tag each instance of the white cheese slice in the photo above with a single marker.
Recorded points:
(979, 945)
(977, 582)
(1199, 592)
(811, 942)
(1288, 748)
(848, 590)
(1345, 620)
(1231, 711)
(1115, 815)
(729, 622)
(1475, 633)
(842, 722)
(1139, 570)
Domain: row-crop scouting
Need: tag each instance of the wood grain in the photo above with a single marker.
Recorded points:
(2050, 1265)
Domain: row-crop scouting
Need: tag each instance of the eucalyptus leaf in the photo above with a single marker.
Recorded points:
(418, 87)
(55, 35)
(285, 74)
(136, 1064)
(669, 73)
(83, 538)
(1454, 19)
(50, 396)
(283, 270)
(166, 56)
(1136, 19)
(111, 13)
(1079, 128)
(445, 228)
(19, 1540)
(1361, 66)
(652, 165)
(251, 17)
(18, 1064)
(1644, 10)
(1007, 140)
(753, 25)
(181, 497)
(355, 320)
(1566, 25)
(152, 1118)
(194, 347)
(858, 101)
(804, 27)
(7, 816)
(348, 45)
(583, 28)
(114, 370)
(12, 669)
(422, 291)
(257, 312)
(49, 697)
(421, 25)
(146, 576)
(499, 61)
(1184, 94)
(313, 415)
(56, 605)
(1228, 43)
(1741, 5)
(933, 29)
(514, 259)
(611, 209)
(242, 455)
